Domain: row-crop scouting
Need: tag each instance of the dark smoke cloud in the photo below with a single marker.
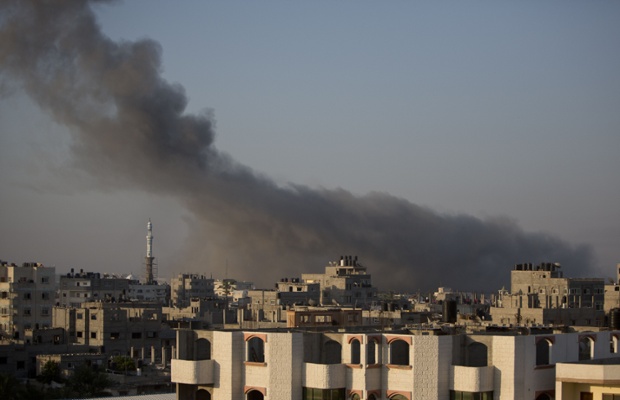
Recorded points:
(129, 130)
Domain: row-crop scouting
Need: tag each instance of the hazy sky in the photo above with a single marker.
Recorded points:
(484, 110)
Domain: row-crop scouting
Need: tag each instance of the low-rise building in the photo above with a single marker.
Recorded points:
(345, 282)
(186, 287)
(127, 328)
(541, 295)
(76, 288)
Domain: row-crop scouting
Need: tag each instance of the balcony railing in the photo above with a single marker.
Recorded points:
(471, 379)
(192, 372)
(324, 376)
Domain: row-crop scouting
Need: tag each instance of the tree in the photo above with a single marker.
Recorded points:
(10, 388)
(123, 363)
(88, 381)
(50, 372)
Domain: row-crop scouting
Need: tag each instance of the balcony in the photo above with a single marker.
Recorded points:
(324, 376)
(192, 372)
(471, 379)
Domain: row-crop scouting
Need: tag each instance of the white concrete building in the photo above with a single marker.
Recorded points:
(396, 365)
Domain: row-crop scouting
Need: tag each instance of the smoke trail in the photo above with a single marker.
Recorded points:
(129, 129)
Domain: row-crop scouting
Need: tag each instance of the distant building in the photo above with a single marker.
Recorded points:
(345, 282)
(612, 293)
(309, 317)
(27, 295)
(76, 288)
(225, 287)
(143, 292)
(128, 328)
(293, 291)
(188, 286)
(541, 295)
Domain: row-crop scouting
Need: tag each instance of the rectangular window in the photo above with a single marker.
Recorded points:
(93, 335)
(136, 335)
(21, 365)
(93, 316)
(45, 279)
(115, 335)
(80, 334)
(79, 316)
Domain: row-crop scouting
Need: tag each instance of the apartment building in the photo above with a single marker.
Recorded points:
(27, 295)
(76, 288)
(406, 364)
(186, 287)
(542, 295)
(345, 282)
(127, 328)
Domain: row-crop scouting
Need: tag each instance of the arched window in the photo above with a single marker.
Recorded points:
(203, 395)
(256, 350)
(398, 397)
(355, 351)
(399, 352)
(543, 352)
(355, 396)
(254, 395)
(586, 348)
(477, 354)
(371, 352)
(544, 396)
(332, 353)
(203, 349)
(372, 397)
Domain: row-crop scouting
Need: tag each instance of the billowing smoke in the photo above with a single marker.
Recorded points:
(129, 130)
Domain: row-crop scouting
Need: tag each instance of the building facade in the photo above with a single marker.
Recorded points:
(345, 282)
(27, 296)
(424, 365)
(541, 295)
(189, 286)
(76, 288)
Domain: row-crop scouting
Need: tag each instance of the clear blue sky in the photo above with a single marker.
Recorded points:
(483, 108)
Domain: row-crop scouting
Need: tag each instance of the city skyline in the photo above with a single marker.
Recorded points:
(445, 142)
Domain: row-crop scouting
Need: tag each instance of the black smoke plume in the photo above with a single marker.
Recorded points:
(129, 128)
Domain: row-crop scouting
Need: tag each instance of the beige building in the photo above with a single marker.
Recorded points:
(541, 295)
(400, 364)
(308, 317)
(588, 380)
(129, 328)
(189, 286)
(345, 282)
(27, 295)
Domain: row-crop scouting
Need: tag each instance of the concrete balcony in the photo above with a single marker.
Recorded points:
(324, 376)
(192, 372)
(471, 379)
